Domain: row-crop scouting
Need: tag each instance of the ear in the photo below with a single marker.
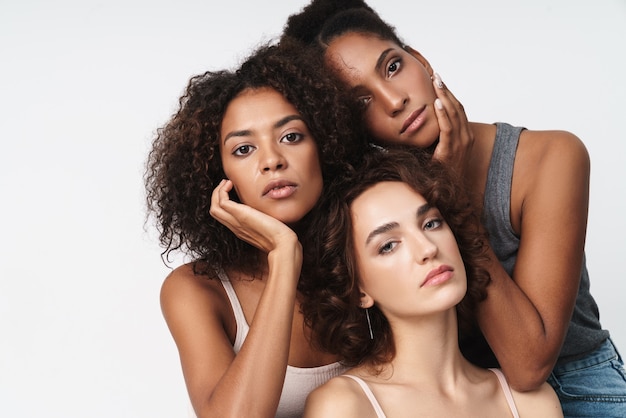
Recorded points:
(366, 300)
(420, 58)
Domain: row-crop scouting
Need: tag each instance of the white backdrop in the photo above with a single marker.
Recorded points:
(84, 85)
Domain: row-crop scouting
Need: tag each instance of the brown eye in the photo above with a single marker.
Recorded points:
(292, 137)
(393, 67)
(243, 150)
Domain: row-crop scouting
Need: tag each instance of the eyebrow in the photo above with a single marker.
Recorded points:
(278, 124)
(381, 230)
(389, 226)
(381, 58)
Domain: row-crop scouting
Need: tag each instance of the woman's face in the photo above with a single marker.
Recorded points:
(394, 85)
(407, 257)
(270, 156)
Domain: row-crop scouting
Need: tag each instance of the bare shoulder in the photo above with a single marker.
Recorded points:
(550, 164)
(553, 145)
(187, 297)
(183, 282)
(541, 402)
(339, 397)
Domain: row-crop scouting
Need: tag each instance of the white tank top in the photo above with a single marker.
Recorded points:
(299, 382)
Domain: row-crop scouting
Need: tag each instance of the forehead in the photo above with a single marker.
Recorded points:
(384, 202)
(357, 52)
(255, 106)
(257, 99)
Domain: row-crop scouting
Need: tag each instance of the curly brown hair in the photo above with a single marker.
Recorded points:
(184, 165)
(331, 306)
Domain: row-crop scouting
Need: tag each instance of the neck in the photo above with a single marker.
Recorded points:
(427, 349)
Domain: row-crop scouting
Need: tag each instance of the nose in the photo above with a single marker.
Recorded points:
(425, 249)
(393, 100)
(272, 159)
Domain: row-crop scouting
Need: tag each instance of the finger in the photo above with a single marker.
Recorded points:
(445, 124)
(442, 150)
(215, 196)
(446, 99)
(444, 147)
(438, 82)
(220, 198)
(453, 106)
(224, 189)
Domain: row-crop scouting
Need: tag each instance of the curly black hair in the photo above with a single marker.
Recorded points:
(331, 306)
(321, 21)
(184, 165)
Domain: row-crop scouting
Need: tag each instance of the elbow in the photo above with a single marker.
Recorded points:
(526, 379)
(529, 369)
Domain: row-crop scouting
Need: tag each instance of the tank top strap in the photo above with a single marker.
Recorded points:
(507, 391)
(240, 318)
(370, 395)
(500, 171)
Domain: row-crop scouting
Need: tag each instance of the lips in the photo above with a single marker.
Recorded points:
(438, 275)
(412, 118)
(275, 187)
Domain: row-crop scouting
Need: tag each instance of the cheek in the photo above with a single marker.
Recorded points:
(314, 171)
(427, 89)
(380, 278)
(418, 84)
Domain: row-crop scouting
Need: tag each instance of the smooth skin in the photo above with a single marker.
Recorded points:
(524, 319)
(272, 162)
(410, 266)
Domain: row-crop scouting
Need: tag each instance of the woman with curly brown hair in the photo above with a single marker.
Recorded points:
(232, 179)
(401, 265)
(540, 320)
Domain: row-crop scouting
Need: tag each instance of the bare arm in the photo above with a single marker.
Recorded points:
(219, 383)
(525, 319)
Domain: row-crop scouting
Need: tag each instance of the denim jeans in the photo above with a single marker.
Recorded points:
(593, 386)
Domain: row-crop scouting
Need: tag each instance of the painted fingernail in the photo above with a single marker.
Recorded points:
(438, 104)
(438, 81)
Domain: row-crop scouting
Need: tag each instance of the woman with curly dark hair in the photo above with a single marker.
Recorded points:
(540, 321)
(231, 180)
(401, 266)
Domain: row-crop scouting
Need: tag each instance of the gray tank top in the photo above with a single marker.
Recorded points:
(585, 333)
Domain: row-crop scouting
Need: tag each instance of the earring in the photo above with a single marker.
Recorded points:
(369, 323)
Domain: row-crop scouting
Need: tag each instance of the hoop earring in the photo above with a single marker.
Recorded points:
(369, 323)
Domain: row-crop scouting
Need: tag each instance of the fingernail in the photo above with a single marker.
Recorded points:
(438, 104)
(438, 81)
